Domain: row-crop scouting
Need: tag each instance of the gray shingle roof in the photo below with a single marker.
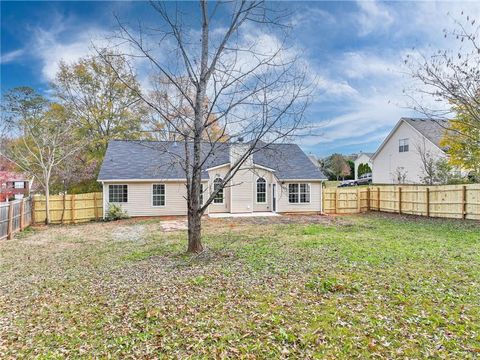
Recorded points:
(432, 129)
(128, 160)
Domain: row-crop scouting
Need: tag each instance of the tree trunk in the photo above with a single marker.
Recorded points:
(194, 232)
(47, 204)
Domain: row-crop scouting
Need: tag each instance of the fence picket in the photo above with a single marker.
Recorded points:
(75, 208)
(451, 201)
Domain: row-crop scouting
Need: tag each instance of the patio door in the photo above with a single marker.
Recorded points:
(274, 197)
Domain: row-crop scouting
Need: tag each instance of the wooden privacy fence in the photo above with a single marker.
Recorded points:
(14, 216)
(68, 209)
(449, 201)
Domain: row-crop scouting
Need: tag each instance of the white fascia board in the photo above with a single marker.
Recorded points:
(145, 180)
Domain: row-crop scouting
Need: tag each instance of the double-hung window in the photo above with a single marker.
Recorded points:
(117, 193)
(158, 195)
(261, 191)
(403, 145)
(217, 184)
(298, 193)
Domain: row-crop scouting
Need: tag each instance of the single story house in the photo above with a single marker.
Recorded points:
(147, 178)
(363, 158)
(398, 159)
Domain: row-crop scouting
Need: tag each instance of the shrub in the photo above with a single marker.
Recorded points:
(115, 212)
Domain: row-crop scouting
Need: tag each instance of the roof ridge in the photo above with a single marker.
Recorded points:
(423, 119)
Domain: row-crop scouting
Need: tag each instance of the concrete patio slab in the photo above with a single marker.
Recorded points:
(239, 215)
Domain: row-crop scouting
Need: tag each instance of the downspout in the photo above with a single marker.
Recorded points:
(321, 197)
(103, 200)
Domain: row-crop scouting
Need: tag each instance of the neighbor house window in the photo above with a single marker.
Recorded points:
(298, 193)
(217, 184)
(261, 191)
(118, 193)
(19, 185)
(403, 145)
(158, 195)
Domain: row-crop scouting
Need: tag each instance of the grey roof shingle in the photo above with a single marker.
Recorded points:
(432, 129)
(128, 160)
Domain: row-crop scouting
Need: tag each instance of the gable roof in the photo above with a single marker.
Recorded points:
(147, 160)
(368, 154)
(432, 129)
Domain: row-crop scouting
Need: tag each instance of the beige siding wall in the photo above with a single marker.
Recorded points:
(213, 174)
(268, 176)
(315, 198)
(242, 191)
(140, 199)
(242, 194)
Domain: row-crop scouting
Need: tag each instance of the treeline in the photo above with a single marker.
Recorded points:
(61, 139)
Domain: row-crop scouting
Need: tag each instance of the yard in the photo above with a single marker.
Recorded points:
(372, 285)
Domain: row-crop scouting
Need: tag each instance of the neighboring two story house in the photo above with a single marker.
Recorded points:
(13, 185)
(398, 159)
(362, 158)
(148, 179)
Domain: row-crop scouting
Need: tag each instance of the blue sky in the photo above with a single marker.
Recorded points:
(354, 49)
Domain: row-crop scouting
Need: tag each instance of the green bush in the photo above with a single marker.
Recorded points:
(115, 212)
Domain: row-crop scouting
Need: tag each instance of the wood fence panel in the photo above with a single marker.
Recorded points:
(14, 216)
(69, 208)
(448, 201)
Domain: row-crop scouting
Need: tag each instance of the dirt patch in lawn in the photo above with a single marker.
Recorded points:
(287, 219)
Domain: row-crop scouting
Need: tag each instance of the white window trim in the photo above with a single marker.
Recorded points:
(223, 193)
(406, 142)
(116, 202)
(165, 196)
(266, 191)
(309, 193)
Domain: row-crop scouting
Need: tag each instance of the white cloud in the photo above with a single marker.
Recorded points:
(11, 56)
(360, 65)
(51, 49)
(372, 17)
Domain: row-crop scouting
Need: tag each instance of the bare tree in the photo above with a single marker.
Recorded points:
(451, 78)
(40, 136)
(399, 175)
(251, 82)
(428, 163)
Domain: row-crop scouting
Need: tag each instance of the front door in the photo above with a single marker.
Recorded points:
(274, 197)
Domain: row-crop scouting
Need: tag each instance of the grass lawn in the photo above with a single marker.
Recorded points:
(376, 286)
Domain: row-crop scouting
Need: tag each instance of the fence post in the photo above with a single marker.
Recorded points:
(64, 205)
(22, 214)
(464, 202)
(378, 198)
(427, 195)
(73, 209)
(95, 209)
(368, 199)
(10, 221)
(33, 210)
(336, 200)
(359, 201)
(399, 200)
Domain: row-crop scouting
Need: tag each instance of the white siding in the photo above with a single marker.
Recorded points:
(140, 199)
(389, 158)
(315, 204)
(362, 159)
